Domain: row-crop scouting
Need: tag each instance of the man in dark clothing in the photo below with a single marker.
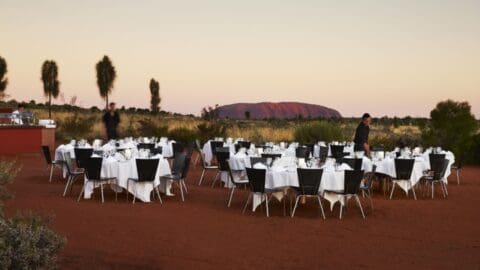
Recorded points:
(361, 135)
(111, 119)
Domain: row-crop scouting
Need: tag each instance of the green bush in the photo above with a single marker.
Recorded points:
(182, 134)
(318, 131)
(452, 126)
(26, 241)
(148, 128)
(76, 127)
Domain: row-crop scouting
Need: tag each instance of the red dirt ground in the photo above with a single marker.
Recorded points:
(203, 233)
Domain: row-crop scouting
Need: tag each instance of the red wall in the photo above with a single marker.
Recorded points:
(20, 140)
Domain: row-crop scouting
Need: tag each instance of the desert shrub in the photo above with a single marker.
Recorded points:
(209, 130)
(26, 241)
(318, 131)
(452, 126)
(387, 141)
(182, 134)
(149, 128)
(76, 126)
(474, 158)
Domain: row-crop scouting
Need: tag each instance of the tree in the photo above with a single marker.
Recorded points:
(452, 126)
(155, 98)
(3, 79)
(247, 115)
(106, 75)
(210, 113)
(51, 85)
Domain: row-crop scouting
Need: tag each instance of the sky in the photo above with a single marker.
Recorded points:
(393, 58)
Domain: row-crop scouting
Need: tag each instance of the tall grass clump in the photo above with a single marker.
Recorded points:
(318, 131)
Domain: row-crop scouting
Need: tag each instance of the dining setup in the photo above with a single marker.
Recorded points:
(282, 165)
(119, 163)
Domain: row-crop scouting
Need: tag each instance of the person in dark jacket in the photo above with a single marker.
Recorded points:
(361, 135)
(111, 119)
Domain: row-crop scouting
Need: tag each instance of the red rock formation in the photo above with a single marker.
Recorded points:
(281, 110)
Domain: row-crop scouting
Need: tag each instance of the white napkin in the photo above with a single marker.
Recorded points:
(259, 166)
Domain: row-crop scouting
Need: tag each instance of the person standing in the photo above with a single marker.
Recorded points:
(18, 114)
(361, 135)
(111, 119)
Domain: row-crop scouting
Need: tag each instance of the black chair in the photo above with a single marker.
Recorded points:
(190, 148)
(244, 144)
(403, 170)
(157, 151)
(198, 147)
(179, 173)
(82, 155)
(272, 156)
(352, 187)
(434, 158)
(146, 146)
(205, 165)
(48, 158)
(177, 148)
(458, 169)
(222, 158)
(235, 181)
(72, 173)
(438, 169)
(93, 169)
(255, 160)
(354, 163)
(368, 180)
(256, 181)
(237, 147)
(310, 147)
(323, 152)
(146, 170)
(337, 152)
(302, 152)
(214, 145)
(309, 181)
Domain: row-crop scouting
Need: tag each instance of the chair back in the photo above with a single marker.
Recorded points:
(68, 162)
(435, 158)
(237, 147)
(93, 168)
(244, 144)
(337, 151)
(323, 153)
(82, 155)
(255, 160)
(147, 169)
(404, 168)
(190, 147)
(302, 152)
(46, 154)
(186, 167)
(353, 178)
(178, 163)
(222, 158)
(256, 179)
(146, 146)
(157, 150)
(309, 180)
(439, 168)
(177, 148)
(198, 145)
(272, 156)
(214, 145)
(354, 163)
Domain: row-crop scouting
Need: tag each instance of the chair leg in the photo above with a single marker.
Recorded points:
(232, 189)
(215, 179)
(246, 203)
(321, 206)
(413, 190)
(181, 190)
(445, 187)
(184, 186)
(442, 187)
(433, 189)
(51, 173)
(158, 194)
(360, 206)
(266, 204)
(128, 180)
(341, 210)
(296, 204)
(71, 185)
(201, 177)
(393, 188)
(134, 193)
(458, 176)
(101, 190)
(81, 193)
(66, 186)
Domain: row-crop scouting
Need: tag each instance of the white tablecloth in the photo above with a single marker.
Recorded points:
(122, 170)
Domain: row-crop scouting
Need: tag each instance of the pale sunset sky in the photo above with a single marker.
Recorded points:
(386, 57)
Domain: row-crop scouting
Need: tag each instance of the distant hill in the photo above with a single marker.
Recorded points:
(280, 110)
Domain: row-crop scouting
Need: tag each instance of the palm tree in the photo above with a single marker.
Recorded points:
(106, 75)
(155, 96)
(3, 79)
(51, 85)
